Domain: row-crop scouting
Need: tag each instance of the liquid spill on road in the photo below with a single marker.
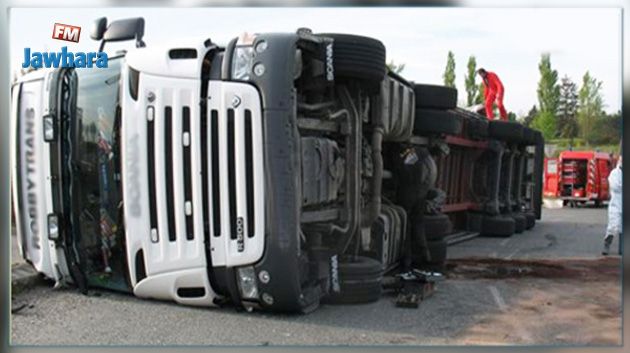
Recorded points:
(561, 301)
(602, 269)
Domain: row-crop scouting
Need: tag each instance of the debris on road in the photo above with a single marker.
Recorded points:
(415, 286)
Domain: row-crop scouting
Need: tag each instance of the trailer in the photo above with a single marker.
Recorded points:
(489, 175)
(578, 177)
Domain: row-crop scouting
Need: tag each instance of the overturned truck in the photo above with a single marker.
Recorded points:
(278, 172)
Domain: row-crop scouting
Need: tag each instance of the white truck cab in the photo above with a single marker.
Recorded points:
(136, 129)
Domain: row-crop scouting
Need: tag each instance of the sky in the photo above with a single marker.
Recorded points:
(508, 41)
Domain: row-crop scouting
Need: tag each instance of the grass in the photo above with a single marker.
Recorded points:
(581, 145)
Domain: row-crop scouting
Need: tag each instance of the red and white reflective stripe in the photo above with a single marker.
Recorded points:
(591, 171)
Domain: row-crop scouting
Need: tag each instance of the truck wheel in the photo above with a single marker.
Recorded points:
(506, 131)
(359, 281)
(531, 220)
(529, 136)
(437, 251)
(433, 121)
(437, 226)
(538, 137)
(477, 128)
(520, 222)
(434, 96)
(498, 226)
(358, 57)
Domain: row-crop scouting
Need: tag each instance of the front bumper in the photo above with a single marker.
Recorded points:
(280, 264)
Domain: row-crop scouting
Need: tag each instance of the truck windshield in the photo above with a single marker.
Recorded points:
(97, 190)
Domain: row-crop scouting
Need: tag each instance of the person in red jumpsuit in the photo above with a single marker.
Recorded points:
(493, 91)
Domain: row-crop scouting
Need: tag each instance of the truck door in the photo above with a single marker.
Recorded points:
(30, 174)
(551, 179)
(603, 170)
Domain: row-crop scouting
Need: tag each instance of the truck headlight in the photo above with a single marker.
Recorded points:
(242, 63)
(53, 227)
(49, 128)
(246, 277)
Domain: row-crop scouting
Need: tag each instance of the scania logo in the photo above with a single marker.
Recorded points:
(330, 71)
(236, 101)
(334, 274)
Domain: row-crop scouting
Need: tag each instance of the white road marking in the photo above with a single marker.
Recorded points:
(498, 299)
(512, 254)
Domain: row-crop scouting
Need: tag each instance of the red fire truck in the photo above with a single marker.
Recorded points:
(577, 177)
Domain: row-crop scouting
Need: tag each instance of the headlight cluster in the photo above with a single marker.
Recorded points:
(247, 282)
(242, 63)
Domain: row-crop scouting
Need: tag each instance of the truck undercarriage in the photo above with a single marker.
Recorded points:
(276, 172)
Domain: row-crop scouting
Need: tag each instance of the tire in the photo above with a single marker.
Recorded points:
(520, 222)
(529, 136)
(474, 221)
(506, 131)
(477, 128)
(437, 226)
(437, 251)
(433, 121)
(538, 137)
(433, 96)
(498, 226)
(530, 217)
(358, 57)
(360, 281)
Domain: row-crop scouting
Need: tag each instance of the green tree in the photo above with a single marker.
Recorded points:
(511, 116)
(566, 124)
(449, 72)
(395, 68)
(471, 87)
(548, 94)
(480, 98)
(545, 122)
(612, 127)
(548, 89)
(529, 118)
(607, 131)
(590, 103)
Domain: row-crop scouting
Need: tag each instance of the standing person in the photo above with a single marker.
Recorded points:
(614, 208)
(493, 91)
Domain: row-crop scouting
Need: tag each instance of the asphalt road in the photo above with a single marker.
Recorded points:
(563, 232)
(65, 317)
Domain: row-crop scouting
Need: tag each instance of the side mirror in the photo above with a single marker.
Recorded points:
(121, 30)
(131, 28)
(98, 28)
